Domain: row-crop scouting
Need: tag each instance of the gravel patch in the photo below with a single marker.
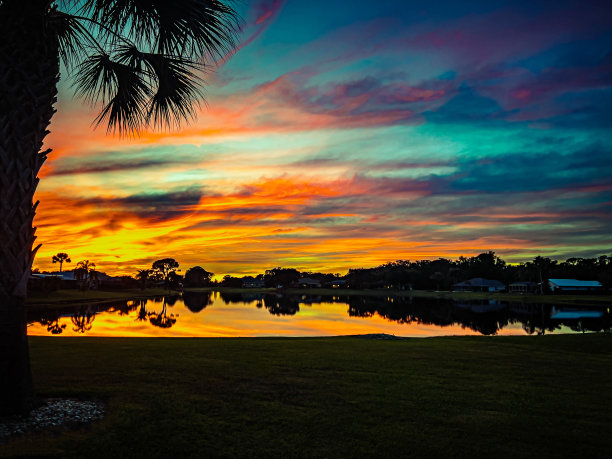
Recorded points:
(55, 412)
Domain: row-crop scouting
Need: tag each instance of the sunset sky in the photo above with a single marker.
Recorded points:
(348, 134)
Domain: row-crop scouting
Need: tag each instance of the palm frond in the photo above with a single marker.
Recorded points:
(178, 89)
(121, 88)
(178, 27)
(174, 82)
(142, 60)
(74, 39)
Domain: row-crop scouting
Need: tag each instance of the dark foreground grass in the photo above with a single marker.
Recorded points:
(440, 397)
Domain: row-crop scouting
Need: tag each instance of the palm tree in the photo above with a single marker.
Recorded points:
(85, 273)
(143, 275)
(61, 258)
(139, 60)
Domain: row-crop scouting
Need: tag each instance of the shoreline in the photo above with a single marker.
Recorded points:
(76, 297)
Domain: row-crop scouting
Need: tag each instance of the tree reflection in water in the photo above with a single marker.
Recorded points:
(142, 311)
(83, 320)
(170, 300)
(280, 305)
(51, 321)
(196, 301)
(162, 319)
(486, 317)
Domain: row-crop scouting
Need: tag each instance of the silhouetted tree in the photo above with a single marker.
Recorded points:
(165, 266)
(174, 280)
(85, 273)
(281, 276)
(143, 276)
(197, 277)
(230, 281)
(61, 258)
(139, 61)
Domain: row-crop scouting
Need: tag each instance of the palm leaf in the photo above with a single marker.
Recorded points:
(121, 88)
(174, 81)
(142, 60)
(192, 27)
(74, 39)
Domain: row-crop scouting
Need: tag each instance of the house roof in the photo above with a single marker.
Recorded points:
(308, 280)
(480, 282)
(574, 283)
(69, 275)
(44, 276)
(252, 280)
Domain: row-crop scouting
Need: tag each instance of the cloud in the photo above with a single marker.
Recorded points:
(365, 139)
(261, 16)
(98, 167)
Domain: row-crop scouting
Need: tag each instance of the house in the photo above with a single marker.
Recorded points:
(479, 284)
(523, 287)
(307, 282)
(71, 279)
(252, 282)
(44, 282)
(574, 285)
(339, 283)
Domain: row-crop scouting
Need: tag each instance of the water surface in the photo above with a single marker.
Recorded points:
(215, 314)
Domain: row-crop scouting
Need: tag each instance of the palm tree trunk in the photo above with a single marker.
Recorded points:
(29, 71)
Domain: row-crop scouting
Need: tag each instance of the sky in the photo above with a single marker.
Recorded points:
(344, 134)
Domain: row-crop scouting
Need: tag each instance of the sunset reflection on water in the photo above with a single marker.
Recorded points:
(225, 315)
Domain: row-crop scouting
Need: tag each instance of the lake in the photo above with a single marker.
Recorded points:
(219, 314)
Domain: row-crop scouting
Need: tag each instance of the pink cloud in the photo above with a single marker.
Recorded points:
(262, 14)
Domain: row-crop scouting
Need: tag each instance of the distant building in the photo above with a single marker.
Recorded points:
(339, 283)
(307, 282)
(68, 279)
(478, 284)
(252, 282)
(574, 285)
(523, 287)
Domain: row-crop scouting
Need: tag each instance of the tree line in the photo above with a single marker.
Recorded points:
(439, 274)
(442, 273)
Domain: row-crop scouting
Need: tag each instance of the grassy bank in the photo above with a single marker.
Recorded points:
(438, 397)
(78, 296)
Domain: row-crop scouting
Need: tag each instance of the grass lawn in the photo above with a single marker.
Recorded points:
(546, 396)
